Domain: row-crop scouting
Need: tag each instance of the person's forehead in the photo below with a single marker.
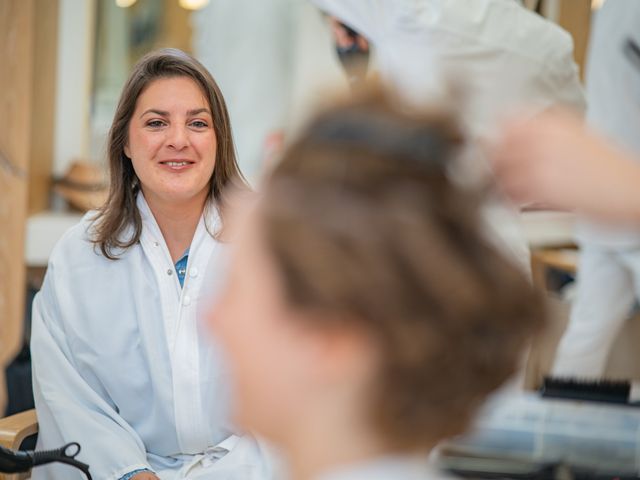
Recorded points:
(173, 91)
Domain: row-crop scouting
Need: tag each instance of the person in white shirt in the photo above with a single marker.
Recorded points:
(120, 363)
(609, 269)
(502, 54)
(386, 314)
(498, 54)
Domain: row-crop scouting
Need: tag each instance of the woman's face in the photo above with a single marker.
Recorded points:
(281, 364)
(259, 338)
(171, 140)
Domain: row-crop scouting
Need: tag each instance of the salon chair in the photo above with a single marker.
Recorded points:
(13, 430)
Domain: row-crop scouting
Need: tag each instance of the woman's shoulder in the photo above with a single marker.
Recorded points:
(77, 242)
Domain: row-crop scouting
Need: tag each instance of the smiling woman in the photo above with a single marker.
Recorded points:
(172, 147)
(171, 115)
(119, 361)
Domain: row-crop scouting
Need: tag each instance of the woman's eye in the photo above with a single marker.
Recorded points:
(155, 123)
(199, 124)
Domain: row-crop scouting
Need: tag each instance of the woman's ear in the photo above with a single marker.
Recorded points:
(127, 152)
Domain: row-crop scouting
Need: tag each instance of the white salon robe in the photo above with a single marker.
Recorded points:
(123, 364)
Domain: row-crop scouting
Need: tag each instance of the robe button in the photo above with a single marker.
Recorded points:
(186, 301)
(193, 272)
(169, 272)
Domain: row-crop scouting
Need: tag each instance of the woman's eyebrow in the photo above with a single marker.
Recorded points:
(162, 113)
(198, 111)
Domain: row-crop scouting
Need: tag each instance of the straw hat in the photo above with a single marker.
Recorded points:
(83, 186)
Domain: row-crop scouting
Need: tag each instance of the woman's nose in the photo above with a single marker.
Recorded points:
(178, 137)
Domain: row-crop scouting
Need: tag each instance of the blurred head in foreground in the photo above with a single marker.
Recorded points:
(365, 307)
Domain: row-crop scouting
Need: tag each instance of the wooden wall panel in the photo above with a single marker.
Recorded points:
(44, 93)
(575, 17)
(16, 63)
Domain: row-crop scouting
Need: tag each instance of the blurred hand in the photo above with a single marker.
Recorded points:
(145, 476)
(554, 159)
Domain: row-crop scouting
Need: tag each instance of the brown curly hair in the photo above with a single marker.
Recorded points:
(366, 227)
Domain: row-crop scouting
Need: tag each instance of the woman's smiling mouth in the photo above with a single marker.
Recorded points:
(177, 164)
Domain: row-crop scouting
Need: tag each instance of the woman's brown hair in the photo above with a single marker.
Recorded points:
(114, 220)
(368, 231)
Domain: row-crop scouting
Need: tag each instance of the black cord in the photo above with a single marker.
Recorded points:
(23, 461)
(66, 454)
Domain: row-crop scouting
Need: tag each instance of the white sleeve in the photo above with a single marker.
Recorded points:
(364, 16)
(562, 74)
(68, 409)
(568, 87)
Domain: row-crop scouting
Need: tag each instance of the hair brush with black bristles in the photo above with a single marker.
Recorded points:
(605, 391)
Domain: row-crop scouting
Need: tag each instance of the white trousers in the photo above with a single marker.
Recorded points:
(608, 285)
